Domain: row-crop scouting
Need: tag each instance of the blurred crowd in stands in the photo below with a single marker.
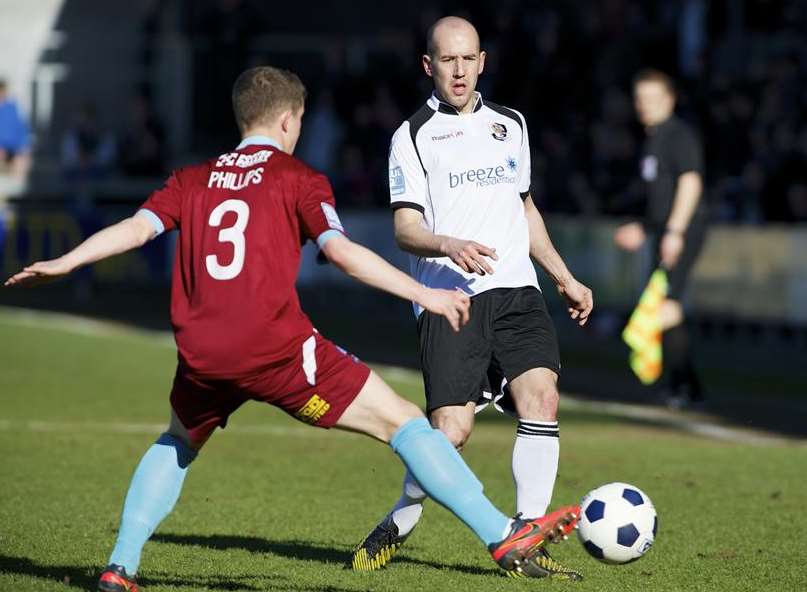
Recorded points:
(89, 150)
(741, 66)
(568, 67)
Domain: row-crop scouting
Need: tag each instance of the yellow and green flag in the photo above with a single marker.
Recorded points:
(643, 331)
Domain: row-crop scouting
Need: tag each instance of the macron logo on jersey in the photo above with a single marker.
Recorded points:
(484, 177)
(397, 181)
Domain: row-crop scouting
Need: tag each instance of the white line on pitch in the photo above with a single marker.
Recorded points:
(99, 328)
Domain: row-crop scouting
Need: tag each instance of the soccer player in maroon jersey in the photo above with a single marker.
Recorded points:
(241, 334)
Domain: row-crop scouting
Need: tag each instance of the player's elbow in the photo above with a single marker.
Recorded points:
(405, 238)
(141, 229)
(400, 240)
(337, 250)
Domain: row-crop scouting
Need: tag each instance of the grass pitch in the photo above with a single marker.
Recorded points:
(274, 505)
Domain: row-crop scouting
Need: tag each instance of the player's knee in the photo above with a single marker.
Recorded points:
(397, 416)
(185, 450)
(408, 410)
(182, 437)
(539, 401)
(176, 429)
(457, 436)
(456, 432)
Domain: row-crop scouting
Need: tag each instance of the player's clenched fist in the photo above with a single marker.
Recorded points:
(454, 305)
(469, 255)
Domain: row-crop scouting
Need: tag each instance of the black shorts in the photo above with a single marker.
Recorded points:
(510, 330)
(693, 244)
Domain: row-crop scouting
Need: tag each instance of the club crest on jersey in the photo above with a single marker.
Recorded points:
(498, 131)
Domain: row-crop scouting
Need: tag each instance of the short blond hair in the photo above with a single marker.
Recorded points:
(261, 94)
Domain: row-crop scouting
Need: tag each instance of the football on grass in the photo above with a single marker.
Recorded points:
(618, 523)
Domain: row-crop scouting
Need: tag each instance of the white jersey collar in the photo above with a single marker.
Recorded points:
(441, 106)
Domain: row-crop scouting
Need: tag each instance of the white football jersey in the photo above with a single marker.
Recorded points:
(468, 174)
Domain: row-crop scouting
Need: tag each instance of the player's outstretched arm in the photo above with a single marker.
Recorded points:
(112, 240)
(578, 296)
(413, 237)
(365, 266)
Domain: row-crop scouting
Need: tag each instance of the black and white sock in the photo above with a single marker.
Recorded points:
(535, 465)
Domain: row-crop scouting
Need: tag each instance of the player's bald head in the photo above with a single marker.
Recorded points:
(450, 28)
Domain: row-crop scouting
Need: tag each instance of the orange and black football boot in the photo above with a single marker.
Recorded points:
(527, 537)
(115, 579)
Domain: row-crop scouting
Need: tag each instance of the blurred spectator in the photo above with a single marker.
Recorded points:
(354, 183)
(322, 134)
(88, 152)
(142, 149)
(15, 146)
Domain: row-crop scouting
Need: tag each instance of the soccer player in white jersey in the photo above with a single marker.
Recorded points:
(460, 188)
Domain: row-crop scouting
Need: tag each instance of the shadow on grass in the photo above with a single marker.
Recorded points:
(293, 549)
(303, 550)
(84, 578)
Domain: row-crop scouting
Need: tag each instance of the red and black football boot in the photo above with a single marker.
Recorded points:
(115, 579)
(527, 537)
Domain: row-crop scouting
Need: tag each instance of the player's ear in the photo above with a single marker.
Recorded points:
(482, 55)
(285, 121)
(427, 64)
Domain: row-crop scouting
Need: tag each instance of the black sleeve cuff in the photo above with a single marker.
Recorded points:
(397, 205)
(524, 194)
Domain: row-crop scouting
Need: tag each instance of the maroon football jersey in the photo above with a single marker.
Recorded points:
(242, 218)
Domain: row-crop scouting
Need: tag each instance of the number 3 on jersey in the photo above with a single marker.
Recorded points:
(233, 234)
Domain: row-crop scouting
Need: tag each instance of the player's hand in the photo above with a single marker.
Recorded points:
(672, 244)
(630, 237)
(454, 305)
(40, 272)
(579, 298)
(469, 255)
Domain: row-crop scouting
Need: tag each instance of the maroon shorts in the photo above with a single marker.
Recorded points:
(315, 387)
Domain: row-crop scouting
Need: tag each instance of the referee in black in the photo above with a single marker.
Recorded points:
(675, 220)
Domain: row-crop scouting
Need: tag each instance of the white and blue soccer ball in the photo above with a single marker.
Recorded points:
(618, 523)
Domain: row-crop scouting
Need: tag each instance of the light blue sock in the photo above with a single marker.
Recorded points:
(152, 494)
(441, 472)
